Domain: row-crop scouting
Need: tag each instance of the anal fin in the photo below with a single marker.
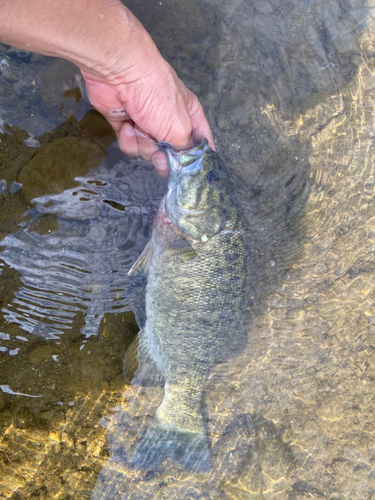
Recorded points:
(139, 368)
(130, 364)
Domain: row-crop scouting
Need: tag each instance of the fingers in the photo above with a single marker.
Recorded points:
(156, 107)
(135, 143)
(198, 127)
(132, 143)
(104, 98)
(201, 128)
(160, 162)
(128, 140)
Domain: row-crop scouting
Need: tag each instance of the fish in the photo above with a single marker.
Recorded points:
(196, 299)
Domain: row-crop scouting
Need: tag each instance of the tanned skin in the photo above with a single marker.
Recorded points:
(127, 79)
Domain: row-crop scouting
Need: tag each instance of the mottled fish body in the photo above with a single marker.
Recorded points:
(196, 298)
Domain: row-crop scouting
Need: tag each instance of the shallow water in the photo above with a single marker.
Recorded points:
(288, 88)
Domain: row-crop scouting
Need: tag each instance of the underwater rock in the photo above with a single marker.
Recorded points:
(56, 166)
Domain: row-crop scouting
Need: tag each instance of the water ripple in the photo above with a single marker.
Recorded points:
(103, 225)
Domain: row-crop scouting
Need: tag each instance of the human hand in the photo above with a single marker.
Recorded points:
(145, 103)
(127, 79)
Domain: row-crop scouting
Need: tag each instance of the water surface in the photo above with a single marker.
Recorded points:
(288, 88)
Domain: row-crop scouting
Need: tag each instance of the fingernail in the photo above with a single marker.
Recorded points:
(128, 130)
(160, 163)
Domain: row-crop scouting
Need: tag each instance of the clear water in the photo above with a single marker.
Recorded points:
(288, 88)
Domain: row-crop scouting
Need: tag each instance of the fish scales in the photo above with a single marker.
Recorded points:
(196, 297)
(193, 300)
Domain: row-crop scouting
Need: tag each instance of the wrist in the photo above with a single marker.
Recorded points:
(125, 50)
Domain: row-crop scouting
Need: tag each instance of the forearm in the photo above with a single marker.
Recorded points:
(127, 79)
(96, 35)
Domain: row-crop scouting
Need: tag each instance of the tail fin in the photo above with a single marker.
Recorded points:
(189, 449)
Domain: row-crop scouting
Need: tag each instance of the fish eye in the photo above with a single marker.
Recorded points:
(212, 177)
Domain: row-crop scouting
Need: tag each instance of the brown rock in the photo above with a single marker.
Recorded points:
(57, 164)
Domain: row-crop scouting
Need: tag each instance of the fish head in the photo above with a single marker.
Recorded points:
(199, 191)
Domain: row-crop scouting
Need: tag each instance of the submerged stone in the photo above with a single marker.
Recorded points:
(57, 164)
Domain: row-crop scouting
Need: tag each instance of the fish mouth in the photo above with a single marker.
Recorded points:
(185, 161)
(182, 165)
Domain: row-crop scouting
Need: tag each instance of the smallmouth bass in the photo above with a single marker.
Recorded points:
(196, 299)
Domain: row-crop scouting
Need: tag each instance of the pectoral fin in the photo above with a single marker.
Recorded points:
(143, 261)
(183, 250)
